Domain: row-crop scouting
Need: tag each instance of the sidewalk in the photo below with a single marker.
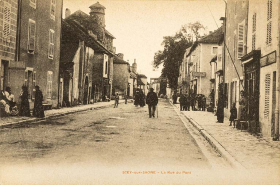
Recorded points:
(250, 151)
(7, 121)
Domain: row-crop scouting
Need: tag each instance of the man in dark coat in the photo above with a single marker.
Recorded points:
(38, 110)
(152, 101)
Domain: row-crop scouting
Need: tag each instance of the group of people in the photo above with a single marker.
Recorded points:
(193, 101)
(139, 98)
(8, 106)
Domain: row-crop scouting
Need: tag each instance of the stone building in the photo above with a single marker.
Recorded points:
(8, 45)
(261, 67)
(121, 76)
(37, 50)
(198, 61)
(236, 41)
(86, 57)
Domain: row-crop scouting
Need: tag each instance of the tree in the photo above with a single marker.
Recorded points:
(173, 53)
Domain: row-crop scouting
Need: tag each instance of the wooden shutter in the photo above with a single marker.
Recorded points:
(240, 45)
(267, 95)
(269, 9)
(6, 19)
(51, 44)
(53, 6)
(268, 33)
(254, 22)
(31, 36)
(49, 84)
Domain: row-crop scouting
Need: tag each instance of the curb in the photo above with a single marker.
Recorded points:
(214, 143)
(31, 120)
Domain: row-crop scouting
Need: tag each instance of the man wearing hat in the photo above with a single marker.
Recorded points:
(152, 101)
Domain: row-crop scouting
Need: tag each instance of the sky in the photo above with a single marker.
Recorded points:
(139, 26)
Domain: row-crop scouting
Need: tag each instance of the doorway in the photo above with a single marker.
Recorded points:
(4, 75)
(252, 80)
(86, 91)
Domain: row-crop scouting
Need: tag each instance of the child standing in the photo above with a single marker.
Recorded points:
(233, 115)
(116, 100)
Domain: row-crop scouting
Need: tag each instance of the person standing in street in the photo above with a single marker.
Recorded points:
(152, 101)
(38, 110)
(116, 100)
(24, 105)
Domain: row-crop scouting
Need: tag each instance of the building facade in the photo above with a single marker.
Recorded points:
(8, 42)
(86, 57)
(260, 66)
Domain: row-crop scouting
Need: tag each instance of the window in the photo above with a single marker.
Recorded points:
(254, 28)
(269, 22)
(32, 3)
(7, 20)
(51, 44)
(266, 96)
(31, 36)
(105, 66)
(53, 6)
(49, 84)
(34, 83)
(214, 50)
(240, 44)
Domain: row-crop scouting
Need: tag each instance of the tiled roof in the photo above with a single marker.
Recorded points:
(97, 5)
(213, 37)
(118, 60)
(142, 76)
(83, 19)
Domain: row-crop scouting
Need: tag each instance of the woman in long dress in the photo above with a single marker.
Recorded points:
(24, 105)
(38, 110)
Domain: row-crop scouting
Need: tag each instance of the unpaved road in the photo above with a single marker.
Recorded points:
(106, 146)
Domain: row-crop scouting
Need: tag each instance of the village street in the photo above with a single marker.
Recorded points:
(108, 141)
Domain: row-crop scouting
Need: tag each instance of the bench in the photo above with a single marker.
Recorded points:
(47, 106)
(242, 124)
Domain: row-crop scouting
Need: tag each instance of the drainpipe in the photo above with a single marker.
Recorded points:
(276, 135)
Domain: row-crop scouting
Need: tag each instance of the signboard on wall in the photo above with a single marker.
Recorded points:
(268, 59)
(199, 74)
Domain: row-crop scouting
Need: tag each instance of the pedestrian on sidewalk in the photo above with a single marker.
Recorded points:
(38, 110)
(181, 101)
(193, 101)
(116, 100)
(24, 105)
(137, 98)
(188, 102)
(233, 115)
(152, 101)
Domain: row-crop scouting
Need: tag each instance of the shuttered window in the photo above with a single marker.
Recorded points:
(254, 22)
(49, 84)
(254, 29)
(53, 7)
(240, 44)
(7, 20)
(32, 3)
(51, 44)
(269, 9)
(268, 33)
(269, 22)
(254, 41)
(34, 84)
(31, 36)
(267, 95)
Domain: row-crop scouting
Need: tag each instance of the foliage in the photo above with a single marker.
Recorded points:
(173, 53)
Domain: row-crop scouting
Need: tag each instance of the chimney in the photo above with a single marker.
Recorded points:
(114, 50)
(120, 55)
(134, 60)
(67, 13)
